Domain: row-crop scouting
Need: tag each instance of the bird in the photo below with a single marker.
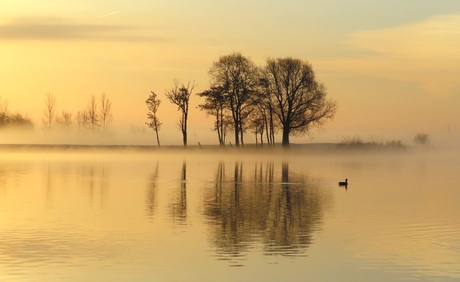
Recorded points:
(343, 183)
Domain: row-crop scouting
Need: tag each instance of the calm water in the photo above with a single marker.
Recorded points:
(205, 216)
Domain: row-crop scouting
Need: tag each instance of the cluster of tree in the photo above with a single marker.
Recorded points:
(283, 95)
(10, 120)
(94, 116)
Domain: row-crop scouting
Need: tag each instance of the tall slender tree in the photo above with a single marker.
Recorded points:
(49, 114)
(153, 103)
(92, 114)
(105, 112)
(214, 105)
(180, 96)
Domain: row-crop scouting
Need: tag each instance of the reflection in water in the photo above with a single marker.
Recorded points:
(58, 223)
(281, 216)
(179, 205)
(151, 200)
(93, 179)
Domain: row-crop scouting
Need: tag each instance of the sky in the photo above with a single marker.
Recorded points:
(392, 66)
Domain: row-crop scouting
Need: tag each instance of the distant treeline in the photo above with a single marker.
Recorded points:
(96, 116)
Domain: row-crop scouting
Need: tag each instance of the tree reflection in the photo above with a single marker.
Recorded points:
(94, 179)
(281, 213)
(179, 205)
(151, 201)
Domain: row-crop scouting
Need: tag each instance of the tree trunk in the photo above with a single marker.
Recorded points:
(184, 129)
(237, 134)
(158, 139)
(285, 136)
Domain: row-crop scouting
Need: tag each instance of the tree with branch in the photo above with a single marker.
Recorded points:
(92, 115)
(214, 105)
(105, 112)
(299, 100)
(49, 114)
(153, 103)
(238, 76)
(422, 139)
(180, 96)
(64, 120)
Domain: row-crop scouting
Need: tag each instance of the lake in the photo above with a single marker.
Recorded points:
(233, 215)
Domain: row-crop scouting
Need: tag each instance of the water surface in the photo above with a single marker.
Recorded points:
(210, 216)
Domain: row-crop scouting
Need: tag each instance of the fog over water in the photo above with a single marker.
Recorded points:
(98, 214)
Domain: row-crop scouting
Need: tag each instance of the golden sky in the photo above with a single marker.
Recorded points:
(393, 67)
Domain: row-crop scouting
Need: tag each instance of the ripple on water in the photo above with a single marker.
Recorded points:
(23, 250)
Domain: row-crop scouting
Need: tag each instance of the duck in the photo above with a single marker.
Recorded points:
(343, 183)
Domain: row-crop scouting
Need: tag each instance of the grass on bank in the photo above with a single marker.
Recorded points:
(358, 144)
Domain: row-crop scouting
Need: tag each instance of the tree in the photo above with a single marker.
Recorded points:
(49, 114)
(257, 124)
(153, 103)
(238, 77)
(17, 121)
(265, 105)
(214, 105)
(3, 105)
(105, 112)
(180, 96)
(422, 139)
(64, 120)
(299, 100)
(91, 115)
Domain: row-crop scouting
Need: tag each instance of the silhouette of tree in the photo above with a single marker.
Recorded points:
(299, 100)
(49, 114)
(238, 77)
(3, 105)
(180, 96)
(81, 119)
(105, 112)
(17, 120)
(265, 105)
(422, 139)
(153, 103)
(215, 105)
(92, 115)
(258, 125)
(64, 120)
(8, 120)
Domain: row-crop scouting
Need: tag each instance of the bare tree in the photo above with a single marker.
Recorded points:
(238, 76)
(214, 105)
(3, 105)
(299, 100)
(92, 115)
(49, 114)
(180, 96)
(81, 119)
(153, 103)
(64, 120)
(105, 112)
(422, 139)
(265, 104)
